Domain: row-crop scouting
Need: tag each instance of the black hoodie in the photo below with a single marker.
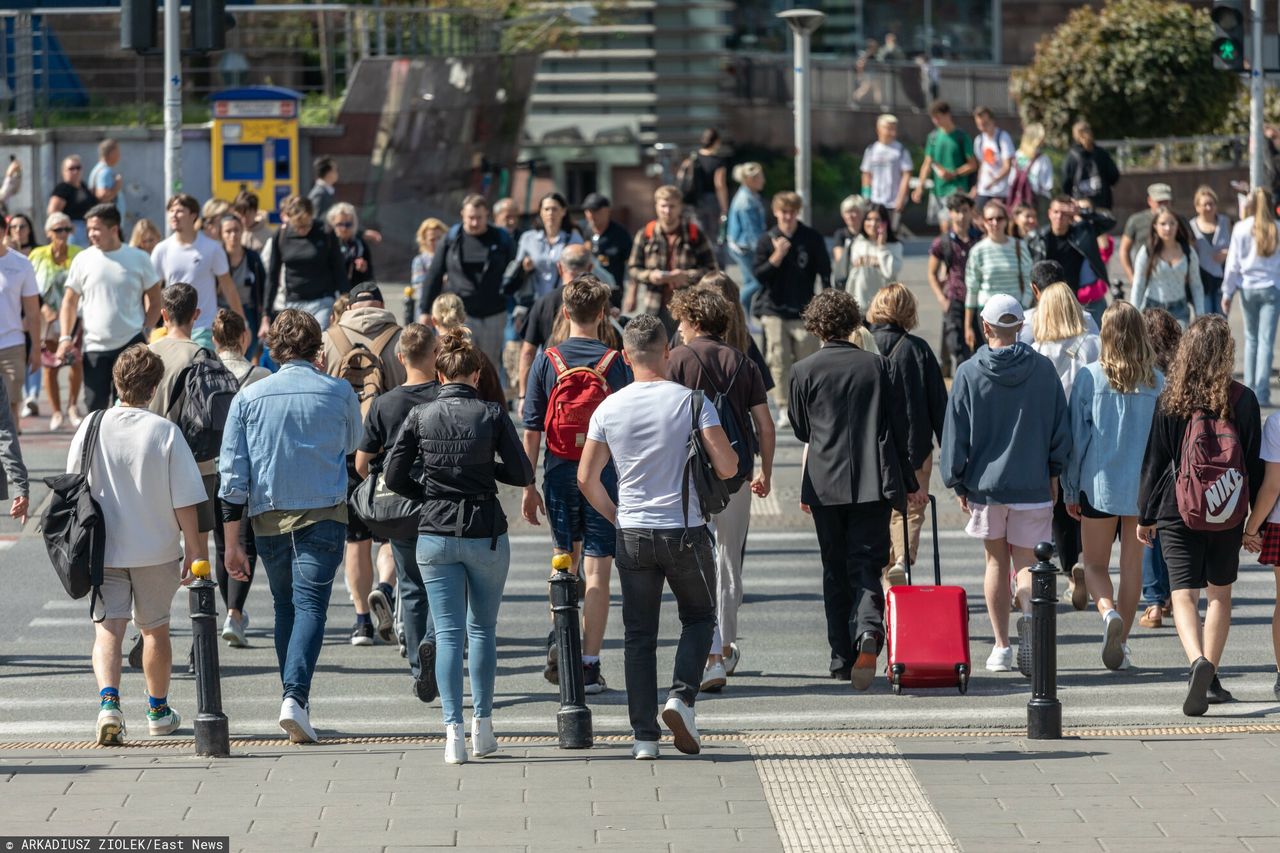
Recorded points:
(912, 362)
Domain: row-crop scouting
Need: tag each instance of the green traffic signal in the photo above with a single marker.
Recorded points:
(1227, 51)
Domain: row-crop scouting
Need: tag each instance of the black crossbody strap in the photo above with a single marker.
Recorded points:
(90, 441)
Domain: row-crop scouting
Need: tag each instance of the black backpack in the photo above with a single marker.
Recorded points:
(73, 527)
(741, 440)
(199, 403)
(713, 493)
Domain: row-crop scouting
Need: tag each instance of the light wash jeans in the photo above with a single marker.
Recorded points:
(300, 568)
(750, 284)
(1260, 313)
(464, 578)
(415, 612)
(318, 308)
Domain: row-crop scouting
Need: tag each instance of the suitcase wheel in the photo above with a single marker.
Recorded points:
(962, 678)
(895, 678)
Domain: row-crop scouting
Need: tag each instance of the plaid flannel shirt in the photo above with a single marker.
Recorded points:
(652, 252)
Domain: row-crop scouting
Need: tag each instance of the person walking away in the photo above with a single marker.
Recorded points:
(747, 221)
(1031, 181)
(341, 217)
(248, 274)
(1211, 231)
(1165, 333)
(948, 255)
(791, 258)
(1199, 386)
(147, 486)
(567, 383)
(646, 430)
(416, 351)
(1262, 530)
(1043, 275)
(666, 255)
(306, 265)
(1138, 226)
(19, 322)
(1088, 172)
(886, 170)
(994, 150)
(610, 242)
(115, 291)
(706, 177)
(72, 197)
(1253, 268)
(875, 258)
(948, 163)
(851, 487)
(998, 264)
(463, 552)
(52, 264)
(892, 317)
(733, 384)
(1071, 240)
(1166, 273)
(1112, 403)
(1004, 444)
(447, 314)
(189, 255)
(105, 180)
(323, 193)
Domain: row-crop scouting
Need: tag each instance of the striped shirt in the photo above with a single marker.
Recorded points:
(994, 268)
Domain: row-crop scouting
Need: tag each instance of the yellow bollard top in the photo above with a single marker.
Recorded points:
(408, 293)
(561, 562)
(200, 569)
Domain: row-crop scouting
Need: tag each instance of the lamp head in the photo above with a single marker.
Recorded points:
(803, 21)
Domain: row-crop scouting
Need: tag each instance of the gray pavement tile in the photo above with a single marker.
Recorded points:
(1043, 790)
(707, 839)
(469, 836)
(678, 846)
(630, 807)
(621, 847)
(1003, 845)
(285, 840)
(962, 826)
(760, 820)
(1177, 804)
(565, 808)
(1234, 813)
(1261, 843)
(1217, 829)
(543, 822)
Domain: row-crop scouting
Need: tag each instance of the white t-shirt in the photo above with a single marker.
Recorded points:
(885, 164)
(1271, 453)
(111, 285)
(198, 264)
(992, 153)
(646, 426)
(142, 470)
(17, 279)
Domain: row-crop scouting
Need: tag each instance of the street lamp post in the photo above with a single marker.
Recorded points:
(803, 23)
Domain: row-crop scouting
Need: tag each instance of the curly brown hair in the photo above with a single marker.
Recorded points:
(703, 308)
(1165, 332)
(1200, 376)
(294, 336)
(832, 315)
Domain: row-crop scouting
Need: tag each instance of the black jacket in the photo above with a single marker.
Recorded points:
(1089, 174)
(307, 266)
(457, 437)
(912, 362)
(847, 406)
(787, 289)
(1083, 237)
(483, 297)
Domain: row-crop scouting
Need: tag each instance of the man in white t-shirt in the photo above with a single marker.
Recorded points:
(645, 428)
(886, 168)
(19, 313)
(995, 153)
(120, 292)
(191, 256)
(146, 483)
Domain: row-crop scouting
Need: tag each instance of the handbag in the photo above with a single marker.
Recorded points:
(387, 514)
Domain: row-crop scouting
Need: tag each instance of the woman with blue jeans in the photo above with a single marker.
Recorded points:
(1165, 332)
(463, 552)
(1253, 268)
(284, 459)
(746, 224)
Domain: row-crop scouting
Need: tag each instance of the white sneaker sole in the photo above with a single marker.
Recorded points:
(1112, 652)
(235, 639)
(296, 733)
(713, 685)
(362, 641)
(111, 733)
(680, 734)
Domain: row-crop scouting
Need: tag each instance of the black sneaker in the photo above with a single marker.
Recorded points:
(551, 672)
(380, 611)
(135, 653)
(424, 686)
(1217, 694)
(1276, 688)
(841, 670)
(1024, 645)
(1197, 701)
(592, 681)
(362, 634)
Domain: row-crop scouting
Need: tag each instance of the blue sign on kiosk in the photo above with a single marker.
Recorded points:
(255, 144)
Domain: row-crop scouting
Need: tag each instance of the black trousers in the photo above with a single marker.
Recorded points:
(234, 593)
(953, 343)
(1066, 535)
(853, 540)
(685, 562)
(99, 391)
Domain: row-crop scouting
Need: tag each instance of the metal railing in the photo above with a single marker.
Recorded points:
(65, 65)
(1175, 152)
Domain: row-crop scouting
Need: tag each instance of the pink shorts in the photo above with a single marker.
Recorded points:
(1022, 528)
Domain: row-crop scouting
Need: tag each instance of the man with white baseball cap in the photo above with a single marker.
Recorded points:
(1005, 442)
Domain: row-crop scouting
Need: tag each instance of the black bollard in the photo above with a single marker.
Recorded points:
(410, 307)
(1044, 711)
(573, 721)
(212, 736)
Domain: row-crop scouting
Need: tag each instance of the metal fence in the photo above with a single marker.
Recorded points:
(1179, 152)
(65, 66)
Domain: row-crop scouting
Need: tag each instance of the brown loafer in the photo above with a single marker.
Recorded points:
(1152, 617)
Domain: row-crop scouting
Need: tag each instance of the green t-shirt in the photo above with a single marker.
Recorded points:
(276, 522)
(950, 150)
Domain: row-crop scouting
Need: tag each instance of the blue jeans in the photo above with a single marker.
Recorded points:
(318, 308)
(465, 577)
(1095, 309)
(1260, 313)
(1180, 310)
(750, 284)
(1155, 575)
(415, 612)
(1212, 293)
(300, 568)
(572, 517)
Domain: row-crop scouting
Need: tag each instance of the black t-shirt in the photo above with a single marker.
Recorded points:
(612, 249)
(78, 201)
(475, 252)
(705, 167)
(388, 414)
(542, 317)
(708, 364)
(1060, 249)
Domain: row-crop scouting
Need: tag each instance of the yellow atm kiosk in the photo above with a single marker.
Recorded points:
(255, 144)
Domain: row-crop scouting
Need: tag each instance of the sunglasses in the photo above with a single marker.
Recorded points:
(74, 168)
(347, 224)
(60, 230)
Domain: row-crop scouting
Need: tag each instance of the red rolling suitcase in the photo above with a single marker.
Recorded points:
(927, 628)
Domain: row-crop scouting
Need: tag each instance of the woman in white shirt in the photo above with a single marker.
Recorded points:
(1253, 268)
(875, 257)
(1166, 272)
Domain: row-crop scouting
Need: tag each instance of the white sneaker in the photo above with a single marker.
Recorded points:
(483, 741)
(233, 633)
(783, 422)
(644, 750)
(455, 744)
(296, 722)
(1001, 659)
(897, 575)
(732, 656)
(55, 421)
(164, 725)
(679, 719)
(111, 729)
(74, 416)
(1125, 662)
(714, 678)
(1112, 647)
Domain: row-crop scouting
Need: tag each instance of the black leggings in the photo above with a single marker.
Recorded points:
(1066, 535)
(234, 593)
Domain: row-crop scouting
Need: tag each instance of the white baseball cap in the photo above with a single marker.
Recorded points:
(1002, 311)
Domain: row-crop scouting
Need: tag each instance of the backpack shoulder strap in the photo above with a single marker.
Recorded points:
(650, 229)
(557, 361)
(695, 410)
(605, 362)
(380, 342)
(90, 445)
(340, 339)
(693, 232)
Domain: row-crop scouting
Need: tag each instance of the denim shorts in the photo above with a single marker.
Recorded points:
(572, 517)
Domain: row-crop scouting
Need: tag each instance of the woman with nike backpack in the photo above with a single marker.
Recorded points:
(1201, 469)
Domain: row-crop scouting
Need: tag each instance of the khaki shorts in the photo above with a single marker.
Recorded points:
(13, 371)
(144, 594)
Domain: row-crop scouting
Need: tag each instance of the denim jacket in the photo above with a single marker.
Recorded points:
(1109, 433)
(286, 442)
(746, 220)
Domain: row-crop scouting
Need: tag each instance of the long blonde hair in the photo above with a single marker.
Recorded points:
(1057, 315)
(1128, 359)
(1032, 139)
(1264, 222)
(448, 312)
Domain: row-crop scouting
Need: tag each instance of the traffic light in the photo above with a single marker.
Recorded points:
(1228, 34)
(138, 25)
(209, 24)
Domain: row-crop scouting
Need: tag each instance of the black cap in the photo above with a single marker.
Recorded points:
(367, 292)
(595, 201)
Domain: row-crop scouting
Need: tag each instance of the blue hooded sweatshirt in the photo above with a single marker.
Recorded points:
(1007, 429)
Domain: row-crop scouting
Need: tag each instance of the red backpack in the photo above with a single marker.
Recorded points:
(1212, 486)
(576, 394)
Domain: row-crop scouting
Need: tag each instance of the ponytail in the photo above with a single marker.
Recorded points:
(1265, 237)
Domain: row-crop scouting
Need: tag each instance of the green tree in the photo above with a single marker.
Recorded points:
(1136, 68)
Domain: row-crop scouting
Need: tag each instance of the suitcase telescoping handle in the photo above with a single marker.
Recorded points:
(906, 543)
